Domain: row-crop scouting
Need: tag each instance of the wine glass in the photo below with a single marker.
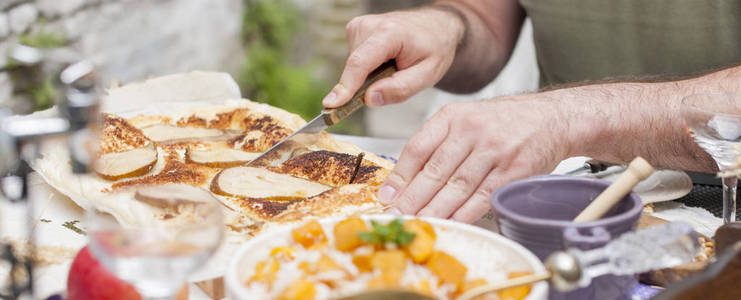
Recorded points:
(170, 231)
(714, 122)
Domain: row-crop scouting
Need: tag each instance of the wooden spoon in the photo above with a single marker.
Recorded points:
(638, 169)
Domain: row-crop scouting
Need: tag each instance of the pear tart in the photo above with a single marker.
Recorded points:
(207, 148)
(124, 151)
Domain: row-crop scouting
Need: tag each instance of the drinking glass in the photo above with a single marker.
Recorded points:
(714, 122)
(168, 233)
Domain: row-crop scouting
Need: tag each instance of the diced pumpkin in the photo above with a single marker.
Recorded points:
(265, 271)
(309, 234)
(423, 244)
(302, 289)
(411, 225)
(391, 264)
(282, 252)
(447, 268)
(326, 263)
(346, 233)
(306, 267)
(363, 261)
(515, 293)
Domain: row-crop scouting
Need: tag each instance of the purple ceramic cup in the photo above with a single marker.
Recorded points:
(537, 212)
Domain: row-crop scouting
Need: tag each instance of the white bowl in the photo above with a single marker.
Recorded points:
(478, 249)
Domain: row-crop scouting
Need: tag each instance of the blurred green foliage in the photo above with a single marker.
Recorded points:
(271, 73)
(43, 39)
(44, 95)
(40, 86)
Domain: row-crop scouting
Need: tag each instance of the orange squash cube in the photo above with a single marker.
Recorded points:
(423, 244)
(309, 234)
(282, 252)
(363, 262)
(391, 264)
(326, 263)
(302, 289)
(265, 271)
(515, 293)
(447, 268)
(346, 233)
(414, 225)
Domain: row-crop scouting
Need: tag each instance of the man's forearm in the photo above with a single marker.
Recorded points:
(618, 121)
(491, 31)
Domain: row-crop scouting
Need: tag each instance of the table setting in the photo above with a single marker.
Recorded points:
(530, 233)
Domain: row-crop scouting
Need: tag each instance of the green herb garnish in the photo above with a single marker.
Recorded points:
(45, 220)
(71, 226)
(392, 232)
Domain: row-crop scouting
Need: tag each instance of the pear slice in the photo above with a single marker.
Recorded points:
(118, 165)
(260, 183)
(219, 157)
(173, 194)
(163, 132)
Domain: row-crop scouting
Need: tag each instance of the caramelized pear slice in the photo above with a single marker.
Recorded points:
(173, 194)
(163, 132)
(220, 157)
(260, 183)
(118, 165)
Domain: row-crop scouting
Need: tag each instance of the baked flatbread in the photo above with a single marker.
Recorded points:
(206, 147)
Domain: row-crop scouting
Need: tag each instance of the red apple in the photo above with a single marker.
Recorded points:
(88, 279)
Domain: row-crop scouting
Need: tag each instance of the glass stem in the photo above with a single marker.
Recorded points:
(729, 199)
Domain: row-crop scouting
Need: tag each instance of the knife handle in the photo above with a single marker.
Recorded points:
(335, 115)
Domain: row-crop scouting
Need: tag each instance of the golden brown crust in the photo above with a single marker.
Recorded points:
(258, 143)
(174, 172)
(284, 210)
(118, 135)
(328, 203)
(331, 168)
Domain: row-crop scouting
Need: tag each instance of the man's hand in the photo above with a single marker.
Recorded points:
(423, 42)
(450, 168)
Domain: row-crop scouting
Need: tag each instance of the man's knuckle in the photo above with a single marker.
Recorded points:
(390, 26)
(355, 60)
(433, 170)
(415, 148)
(483, 192)
(402, 88)
(461, 183)
(354, 24)
(472, 123)
(474, 210)
(407, 203)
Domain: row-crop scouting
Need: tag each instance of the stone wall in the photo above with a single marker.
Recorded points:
(128, 39)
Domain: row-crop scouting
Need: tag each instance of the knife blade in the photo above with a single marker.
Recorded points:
(308, 134)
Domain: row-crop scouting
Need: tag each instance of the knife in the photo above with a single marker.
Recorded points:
(591, 166)
(329, 116)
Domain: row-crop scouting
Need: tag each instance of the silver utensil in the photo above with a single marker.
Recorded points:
(308, 134)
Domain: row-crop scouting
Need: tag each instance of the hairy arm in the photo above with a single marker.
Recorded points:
(451, 166)
(615, 122)
(492, 28)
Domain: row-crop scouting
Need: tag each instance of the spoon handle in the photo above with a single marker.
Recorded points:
(492, 287)
(637, 170)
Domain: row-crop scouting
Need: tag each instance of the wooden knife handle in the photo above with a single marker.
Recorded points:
(334, 115)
